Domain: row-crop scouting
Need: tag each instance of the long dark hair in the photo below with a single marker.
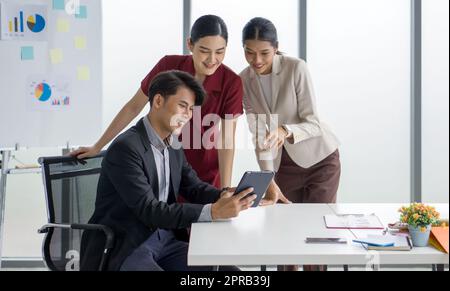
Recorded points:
(209, 25)
(262, 29)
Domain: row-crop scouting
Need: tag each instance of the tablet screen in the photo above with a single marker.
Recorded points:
(259, 181)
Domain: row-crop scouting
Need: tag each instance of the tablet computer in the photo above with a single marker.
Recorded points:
(259, 181)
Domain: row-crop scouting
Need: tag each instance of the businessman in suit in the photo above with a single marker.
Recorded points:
(141, 177)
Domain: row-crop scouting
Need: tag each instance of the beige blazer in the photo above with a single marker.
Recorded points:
(293, 101)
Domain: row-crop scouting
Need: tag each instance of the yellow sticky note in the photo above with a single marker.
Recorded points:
(84, 73)
(63, 25)
(80, 42)
(56, 56)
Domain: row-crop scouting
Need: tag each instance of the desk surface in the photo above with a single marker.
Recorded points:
(275, 235)
(388, 214)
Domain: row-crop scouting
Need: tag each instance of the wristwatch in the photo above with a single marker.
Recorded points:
(288, 129)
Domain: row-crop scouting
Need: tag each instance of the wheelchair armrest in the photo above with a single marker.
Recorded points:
(99, 227)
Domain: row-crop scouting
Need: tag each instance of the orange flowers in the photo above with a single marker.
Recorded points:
(419, 215)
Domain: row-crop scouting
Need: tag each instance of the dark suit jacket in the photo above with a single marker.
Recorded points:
(127, 198)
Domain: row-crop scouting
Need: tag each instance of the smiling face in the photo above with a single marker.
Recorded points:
(259, 55)
(208, 54)
(174, 111)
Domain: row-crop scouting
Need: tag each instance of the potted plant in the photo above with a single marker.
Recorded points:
(419, 218)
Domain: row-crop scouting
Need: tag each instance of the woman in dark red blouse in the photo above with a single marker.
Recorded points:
(207, 149)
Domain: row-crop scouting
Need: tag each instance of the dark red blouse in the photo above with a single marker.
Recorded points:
(225, 92)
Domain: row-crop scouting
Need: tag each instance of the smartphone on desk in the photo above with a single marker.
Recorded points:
(325, 240)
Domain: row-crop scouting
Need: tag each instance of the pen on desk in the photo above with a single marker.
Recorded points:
(408, 239)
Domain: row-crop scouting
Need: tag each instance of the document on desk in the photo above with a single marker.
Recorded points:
(353, 221)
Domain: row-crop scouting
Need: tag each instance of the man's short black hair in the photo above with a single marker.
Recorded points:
(167, 84)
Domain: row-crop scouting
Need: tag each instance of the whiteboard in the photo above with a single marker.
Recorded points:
(52, 95)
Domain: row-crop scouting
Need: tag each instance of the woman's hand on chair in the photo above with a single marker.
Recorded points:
(85, 152)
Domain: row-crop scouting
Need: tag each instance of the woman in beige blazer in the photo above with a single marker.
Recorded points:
(279, 89)
(290, 138)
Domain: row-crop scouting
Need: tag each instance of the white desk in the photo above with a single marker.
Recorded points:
(275, 235)
(388, 213)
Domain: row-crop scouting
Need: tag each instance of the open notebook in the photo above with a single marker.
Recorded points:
(353, 221)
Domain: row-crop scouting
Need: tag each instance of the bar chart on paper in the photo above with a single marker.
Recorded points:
(16, 24)
(23, 22)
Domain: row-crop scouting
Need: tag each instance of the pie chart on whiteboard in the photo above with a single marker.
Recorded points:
(43, 92)
(36, 23)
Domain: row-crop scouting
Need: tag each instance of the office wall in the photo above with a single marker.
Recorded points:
(359, 56)
(435, 105)
(136, 35)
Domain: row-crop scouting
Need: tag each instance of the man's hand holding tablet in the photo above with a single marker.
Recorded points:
(248, 194)
(229, 205)
(259, 181)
